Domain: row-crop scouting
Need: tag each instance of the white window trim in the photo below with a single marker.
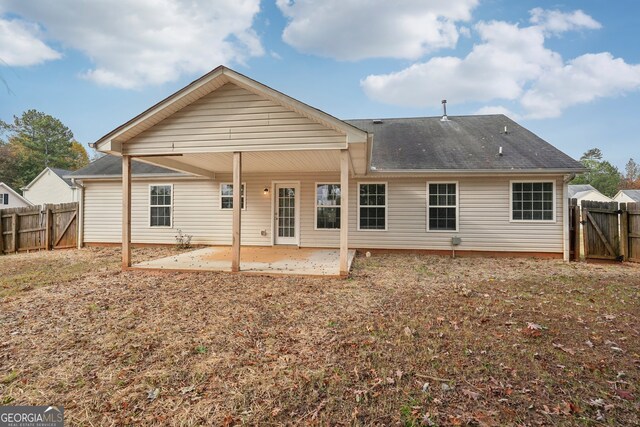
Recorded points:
(150, 206)
(2, 199)
(315, 203)
(386, 206)
(244, 208)
(527, 181)
(438, 206)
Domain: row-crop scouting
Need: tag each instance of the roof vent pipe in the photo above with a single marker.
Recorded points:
(444, 114)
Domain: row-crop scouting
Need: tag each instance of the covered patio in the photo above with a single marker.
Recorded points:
(244, 128)
(259, 260)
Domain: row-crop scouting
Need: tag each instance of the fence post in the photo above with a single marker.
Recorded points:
(624, 231)
(1, 235)
(576, 229)
(47, 224)
(14, 231)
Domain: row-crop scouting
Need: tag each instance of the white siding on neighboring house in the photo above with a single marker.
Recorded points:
(50, 188)
(484, 214)
(621, 197)
(232, 118)
(12, 199)
(592, 196)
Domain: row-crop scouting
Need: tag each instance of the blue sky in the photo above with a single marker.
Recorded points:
(566, 70)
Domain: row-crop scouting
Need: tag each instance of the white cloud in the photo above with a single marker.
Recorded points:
(498, 68)
(582, 80)
(20, 44)
(511, 63)
(498, 109)
(556, 21)
(139, 42)
(356, 29)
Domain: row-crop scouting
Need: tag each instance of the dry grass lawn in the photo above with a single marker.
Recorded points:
(408, 340)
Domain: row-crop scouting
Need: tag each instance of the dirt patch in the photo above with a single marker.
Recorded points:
(259, 254)
(408, 340)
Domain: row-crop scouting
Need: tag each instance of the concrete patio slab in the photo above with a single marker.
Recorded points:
(263, 260)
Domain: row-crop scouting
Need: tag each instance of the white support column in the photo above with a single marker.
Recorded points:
(237, 209)
(126, 212)
(344, 212)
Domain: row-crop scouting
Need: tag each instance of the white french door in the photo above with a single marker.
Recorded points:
(286, 215)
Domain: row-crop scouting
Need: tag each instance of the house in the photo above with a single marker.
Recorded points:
(9, 198)
(244, 163)
(586, 192)
(51, 186)
(627, 196)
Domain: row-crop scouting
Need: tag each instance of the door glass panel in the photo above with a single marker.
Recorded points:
(286, 212)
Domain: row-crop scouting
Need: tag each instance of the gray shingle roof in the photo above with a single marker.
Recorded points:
(112, 166)
(634, 194)
(62, 173)
(461, 143)
(579, 188)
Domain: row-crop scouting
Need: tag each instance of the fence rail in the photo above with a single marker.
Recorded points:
(42, 227)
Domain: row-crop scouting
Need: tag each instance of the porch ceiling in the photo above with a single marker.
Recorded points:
(208, 164)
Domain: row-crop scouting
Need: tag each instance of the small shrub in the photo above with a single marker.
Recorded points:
(183, 241)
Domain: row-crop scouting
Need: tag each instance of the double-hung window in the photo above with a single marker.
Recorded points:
(160, 202)
(532, 201)
(442, 206)
(327, 206)
(4, 198)
(372, 206)
(226, 196)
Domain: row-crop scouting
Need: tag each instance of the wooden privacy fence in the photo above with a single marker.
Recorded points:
(43, 227)
(610, 230)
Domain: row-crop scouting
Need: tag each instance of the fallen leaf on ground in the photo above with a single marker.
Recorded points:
(626, 395)
(471, 394)
(565, 349)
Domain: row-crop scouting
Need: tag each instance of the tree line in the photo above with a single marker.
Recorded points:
(33, 141)
(605, 177)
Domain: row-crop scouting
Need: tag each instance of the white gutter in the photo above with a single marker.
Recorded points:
(566, 245)
(474, 171)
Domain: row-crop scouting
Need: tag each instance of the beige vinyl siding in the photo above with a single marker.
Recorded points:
(50, 188)
(484, 218)
(484, 223)
(232, 118)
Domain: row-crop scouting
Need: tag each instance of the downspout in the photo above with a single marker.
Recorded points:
(80, 187)
(565, 216)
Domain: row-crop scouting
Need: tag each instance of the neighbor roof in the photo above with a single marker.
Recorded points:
(579, 188)
(634, 194)
(62, 173)
(59, 172)
(108, 165)
(461, 143)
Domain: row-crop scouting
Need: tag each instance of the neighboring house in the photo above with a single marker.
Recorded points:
(586, 192)
(10, 199)
(51, 186)
(311, 180)
(627, 196)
